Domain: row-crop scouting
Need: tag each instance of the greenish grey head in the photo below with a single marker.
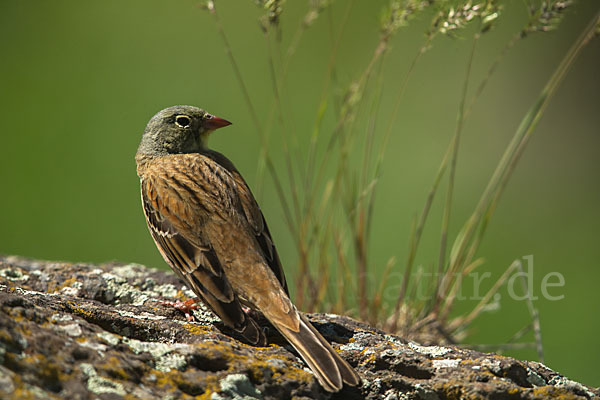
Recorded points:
(177, 130)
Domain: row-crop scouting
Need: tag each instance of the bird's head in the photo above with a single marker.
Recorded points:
(177, 130)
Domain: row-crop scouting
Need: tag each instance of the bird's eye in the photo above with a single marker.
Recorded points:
(182, 121)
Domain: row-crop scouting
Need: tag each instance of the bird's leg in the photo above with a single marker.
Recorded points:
(184, 306)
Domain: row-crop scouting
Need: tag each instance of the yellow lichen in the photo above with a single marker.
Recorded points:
(257, 364)
(513, 390)
(368, 356)
(58, 287)
(176, 380)
(196, 329)
(111, 366)
(81, 311)
(546, 392)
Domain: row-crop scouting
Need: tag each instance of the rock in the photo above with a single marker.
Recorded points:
(81, 331)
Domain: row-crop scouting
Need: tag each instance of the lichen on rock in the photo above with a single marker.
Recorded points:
(81, 331)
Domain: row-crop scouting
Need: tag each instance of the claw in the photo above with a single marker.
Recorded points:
(183, 306)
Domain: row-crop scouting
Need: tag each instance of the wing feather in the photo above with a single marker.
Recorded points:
(169, 219)
(255, 218)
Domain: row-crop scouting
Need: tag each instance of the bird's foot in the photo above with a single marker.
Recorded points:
(184, 306)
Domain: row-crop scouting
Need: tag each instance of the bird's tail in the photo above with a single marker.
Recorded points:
(329, 368)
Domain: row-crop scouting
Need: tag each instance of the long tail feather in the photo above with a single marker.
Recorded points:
(329, 368)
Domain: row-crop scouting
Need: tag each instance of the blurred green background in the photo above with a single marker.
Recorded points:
(81, 79)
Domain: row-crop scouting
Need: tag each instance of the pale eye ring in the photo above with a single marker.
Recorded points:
(183, 121)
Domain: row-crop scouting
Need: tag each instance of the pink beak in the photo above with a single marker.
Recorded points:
(211, 122)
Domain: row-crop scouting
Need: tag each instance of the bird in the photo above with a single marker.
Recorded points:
(209, 228)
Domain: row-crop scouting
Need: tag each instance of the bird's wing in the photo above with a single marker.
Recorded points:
(255, 218)
(261, 230)
(172, 212)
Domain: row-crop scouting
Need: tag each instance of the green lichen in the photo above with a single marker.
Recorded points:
(534, 378)
(165, 290)
(99, 385)
(130, 270)
(73, 329)
(122, 291)
(432, 351)
(13, 274)
(170, 361)
(109, 338)
(237, 387)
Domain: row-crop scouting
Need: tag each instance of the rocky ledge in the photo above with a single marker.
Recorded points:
(81, 331)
